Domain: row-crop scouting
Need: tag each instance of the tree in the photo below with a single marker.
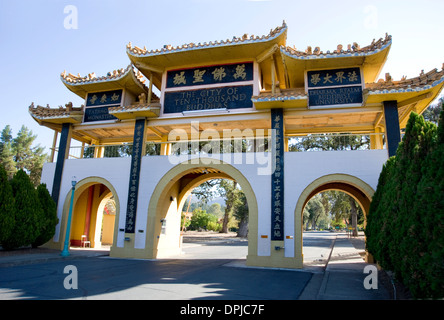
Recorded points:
(216, 209)
(19, 153)
(6, 152)
(7, 215)
(329, 142)
(404, 231)
(433, 111)
(314, 211)
(228, 189)
(48, 220)
(27, 212)
(202, 220)
(241, 213)
(206, 191)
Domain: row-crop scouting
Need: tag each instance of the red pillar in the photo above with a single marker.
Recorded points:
(88, 211)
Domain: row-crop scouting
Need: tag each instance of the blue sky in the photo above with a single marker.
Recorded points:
(36, 47)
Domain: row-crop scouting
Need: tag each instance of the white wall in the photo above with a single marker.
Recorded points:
(114, 170)
(301, 169)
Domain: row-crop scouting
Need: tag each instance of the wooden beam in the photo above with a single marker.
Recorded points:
(264, 55)
(140, 65)
(150, 90)
(414, 99)
(343, 129)
(317, 112)
(273, 76)
(156, 131)
(378, 119)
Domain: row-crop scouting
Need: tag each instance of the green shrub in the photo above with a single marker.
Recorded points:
(405, 225)
(203, 220)
(49, 218)
(27, 212)
(7, 216)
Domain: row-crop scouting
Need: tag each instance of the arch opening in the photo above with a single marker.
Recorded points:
(94, 213)
(357, 189)
(170, 195)
(333, 209)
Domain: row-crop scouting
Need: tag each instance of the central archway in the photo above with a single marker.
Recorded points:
(351, 185)
(170, 194)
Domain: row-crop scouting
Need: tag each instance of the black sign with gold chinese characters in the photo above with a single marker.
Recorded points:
(334, 87)
(97, 104)
(210, 75)
(95, 99)
(277, 177)
(133, 190)
(97, 114)
(333, 78)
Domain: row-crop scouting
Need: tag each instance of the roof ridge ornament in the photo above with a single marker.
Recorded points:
(235, 40)
(351, 49)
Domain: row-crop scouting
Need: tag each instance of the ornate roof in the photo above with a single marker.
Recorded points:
(129, 78)
(351, 51)
(297, 97)
(245, 39)
(152, 63)
(422, 82)
(61, 114)
(140, 109)
(370, 58)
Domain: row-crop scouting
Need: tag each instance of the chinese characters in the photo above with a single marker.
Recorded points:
(277, 178)
(210, 75)
(334, 87)
(104, 98)
(134, 176)
(339, 77)
(332, 78)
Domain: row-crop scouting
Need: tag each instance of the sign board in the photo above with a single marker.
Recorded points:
(335, 96)
(277, 177)
(232, 97)
(133, 191)
(97, 104)
(97, 114)
(227, 86)
(210, 75)
(334, 87)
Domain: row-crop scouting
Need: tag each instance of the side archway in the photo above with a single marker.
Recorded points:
(172, 190)
(353, 186)
(106, 191)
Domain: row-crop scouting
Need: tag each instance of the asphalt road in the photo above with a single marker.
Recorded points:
(207, 270)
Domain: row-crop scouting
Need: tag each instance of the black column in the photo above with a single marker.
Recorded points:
(61, 155)
(392, 130)
(277, 176)
(133, 191)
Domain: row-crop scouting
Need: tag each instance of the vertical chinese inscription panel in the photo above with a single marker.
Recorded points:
(277, 177)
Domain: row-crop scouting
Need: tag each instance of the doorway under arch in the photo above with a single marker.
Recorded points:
(90, 198)
(353, 186)
(170, 194)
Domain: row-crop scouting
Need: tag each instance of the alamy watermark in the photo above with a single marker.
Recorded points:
(71, 281)
(71, 20)
(211, 147)
(371, 17)
(371, 281)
